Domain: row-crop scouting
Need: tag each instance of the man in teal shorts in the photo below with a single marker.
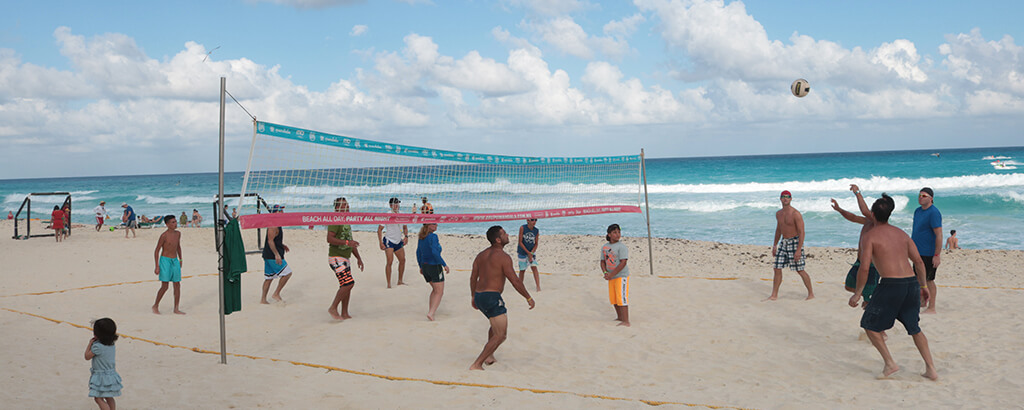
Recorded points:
(167, 257)
(868, 220)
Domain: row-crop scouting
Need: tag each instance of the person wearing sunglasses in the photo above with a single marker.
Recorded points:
(927, 236)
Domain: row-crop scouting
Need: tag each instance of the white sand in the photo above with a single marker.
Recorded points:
(693, 340)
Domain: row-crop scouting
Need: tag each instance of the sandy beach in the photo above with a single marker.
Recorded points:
(701, 334)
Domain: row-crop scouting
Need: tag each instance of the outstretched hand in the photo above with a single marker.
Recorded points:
(835, 205)
(854, 188)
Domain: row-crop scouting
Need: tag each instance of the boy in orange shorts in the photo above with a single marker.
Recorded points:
(614, 256)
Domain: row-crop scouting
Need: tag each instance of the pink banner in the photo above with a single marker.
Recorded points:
(367, 218)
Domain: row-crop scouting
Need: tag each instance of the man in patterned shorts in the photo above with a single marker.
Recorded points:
(342, 247)
(789, 227)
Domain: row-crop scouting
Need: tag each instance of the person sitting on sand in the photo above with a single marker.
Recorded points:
(952, 242)
(274, 265)
(491, 268)
(899, 293)
(790, 227)
(168, 258)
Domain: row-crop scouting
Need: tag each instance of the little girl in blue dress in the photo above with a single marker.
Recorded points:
(105, 383)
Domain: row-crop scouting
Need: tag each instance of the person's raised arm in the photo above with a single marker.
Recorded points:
(849, 216)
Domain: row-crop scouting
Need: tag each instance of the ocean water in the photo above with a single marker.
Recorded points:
(723, 199)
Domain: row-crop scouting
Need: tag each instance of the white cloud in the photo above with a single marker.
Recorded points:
(901, 57)
(358, 30)
(570, 38)
(994, 65)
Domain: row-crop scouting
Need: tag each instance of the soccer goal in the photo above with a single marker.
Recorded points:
(305, 170)
(24, 214)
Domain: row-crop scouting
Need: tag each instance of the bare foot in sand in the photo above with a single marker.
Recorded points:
(490, 360)
(928, 311)
(178, 312)
(430, 318)
(624, 323)
(264, 301)
(346, 316)
(889, 371)
(156, 310)
(278, 298)
(931, 374)
(475, 367)
(335, 315)
(809, 297)
(770, 298)
(400, 283)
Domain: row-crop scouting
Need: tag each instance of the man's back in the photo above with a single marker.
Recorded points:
(891, 249)
(491, 265)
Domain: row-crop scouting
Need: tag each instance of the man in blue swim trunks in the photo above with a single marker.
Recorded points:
(168, 263)
(868, 220)
(899, 293)
(490, 269)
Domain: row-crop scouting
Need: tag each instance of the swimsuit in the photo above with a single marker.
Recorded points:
(786, 255)
(489, 303)
(618, 291)
(342, 269)
(894, 299)
(433, 273)
(271, 269)
(170, 269)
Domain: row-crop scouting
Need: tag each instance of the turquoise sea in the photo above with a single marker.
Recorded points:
(723, 199)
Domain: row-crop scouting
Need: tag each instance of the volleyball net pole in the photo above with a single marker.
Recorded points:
(218, 228)
(647, 207)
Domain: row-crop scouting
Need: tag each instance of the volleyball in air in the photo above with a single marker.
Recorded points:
(800, 88)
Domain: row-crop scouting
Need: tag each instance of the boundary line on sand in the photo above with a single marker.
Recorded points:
(384, 376)
(467, 270)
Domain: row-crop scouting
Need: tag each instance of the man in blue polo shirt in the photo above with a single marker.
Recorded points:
(927, 237)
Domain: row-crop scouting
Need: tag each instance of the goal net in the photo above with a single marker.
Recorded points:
(304, 171)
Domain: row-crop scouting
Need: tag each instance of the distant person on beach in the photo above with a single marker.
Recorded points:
(168, 259)
(234, 213)
(614, 256)
(526, 250)
(432, 266)
(129, 219)
(339, 257)
(790, 227)
(183, 222)
(104, 382)
(491, 268)
(67, 221)
(952, 242)
(224, 216)
(57, 222)
(10, 215)
(101, 213)
(899, 293)
(392, 239)
(426, 208)
(274, 265)
(197, 219)
(868, 220)
(927, 236)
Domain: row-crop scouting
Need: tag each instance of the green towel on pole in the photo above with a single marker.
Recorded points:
(234, 266)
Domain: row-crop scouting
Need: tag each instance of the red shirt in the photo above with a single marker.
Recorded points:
(58, 219)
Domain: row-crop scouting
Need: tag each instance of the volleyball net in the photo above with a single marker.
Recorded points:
(305, 171)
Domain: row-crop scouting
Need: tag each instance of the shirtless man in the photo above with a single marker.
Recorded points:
(899, 293)
(790, 227)
(168, 260)
(490, 269)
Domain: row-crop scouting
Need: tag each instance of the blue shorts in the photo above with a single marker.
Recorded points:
(894, 299)
(170, 269)
(489, 303)
(272, 270)
(392, 245)
(525, 262)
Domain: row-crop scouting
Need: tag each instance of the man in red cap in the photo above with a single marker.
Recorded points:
(790, 227)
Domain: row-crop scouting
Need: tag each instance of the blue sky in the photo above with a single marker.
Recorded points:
(120, 87)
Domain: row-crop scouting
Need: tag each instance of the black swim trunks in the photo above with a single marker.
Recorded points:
(929, 269)
(894, 299)
(433, 273)
(489, 303)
